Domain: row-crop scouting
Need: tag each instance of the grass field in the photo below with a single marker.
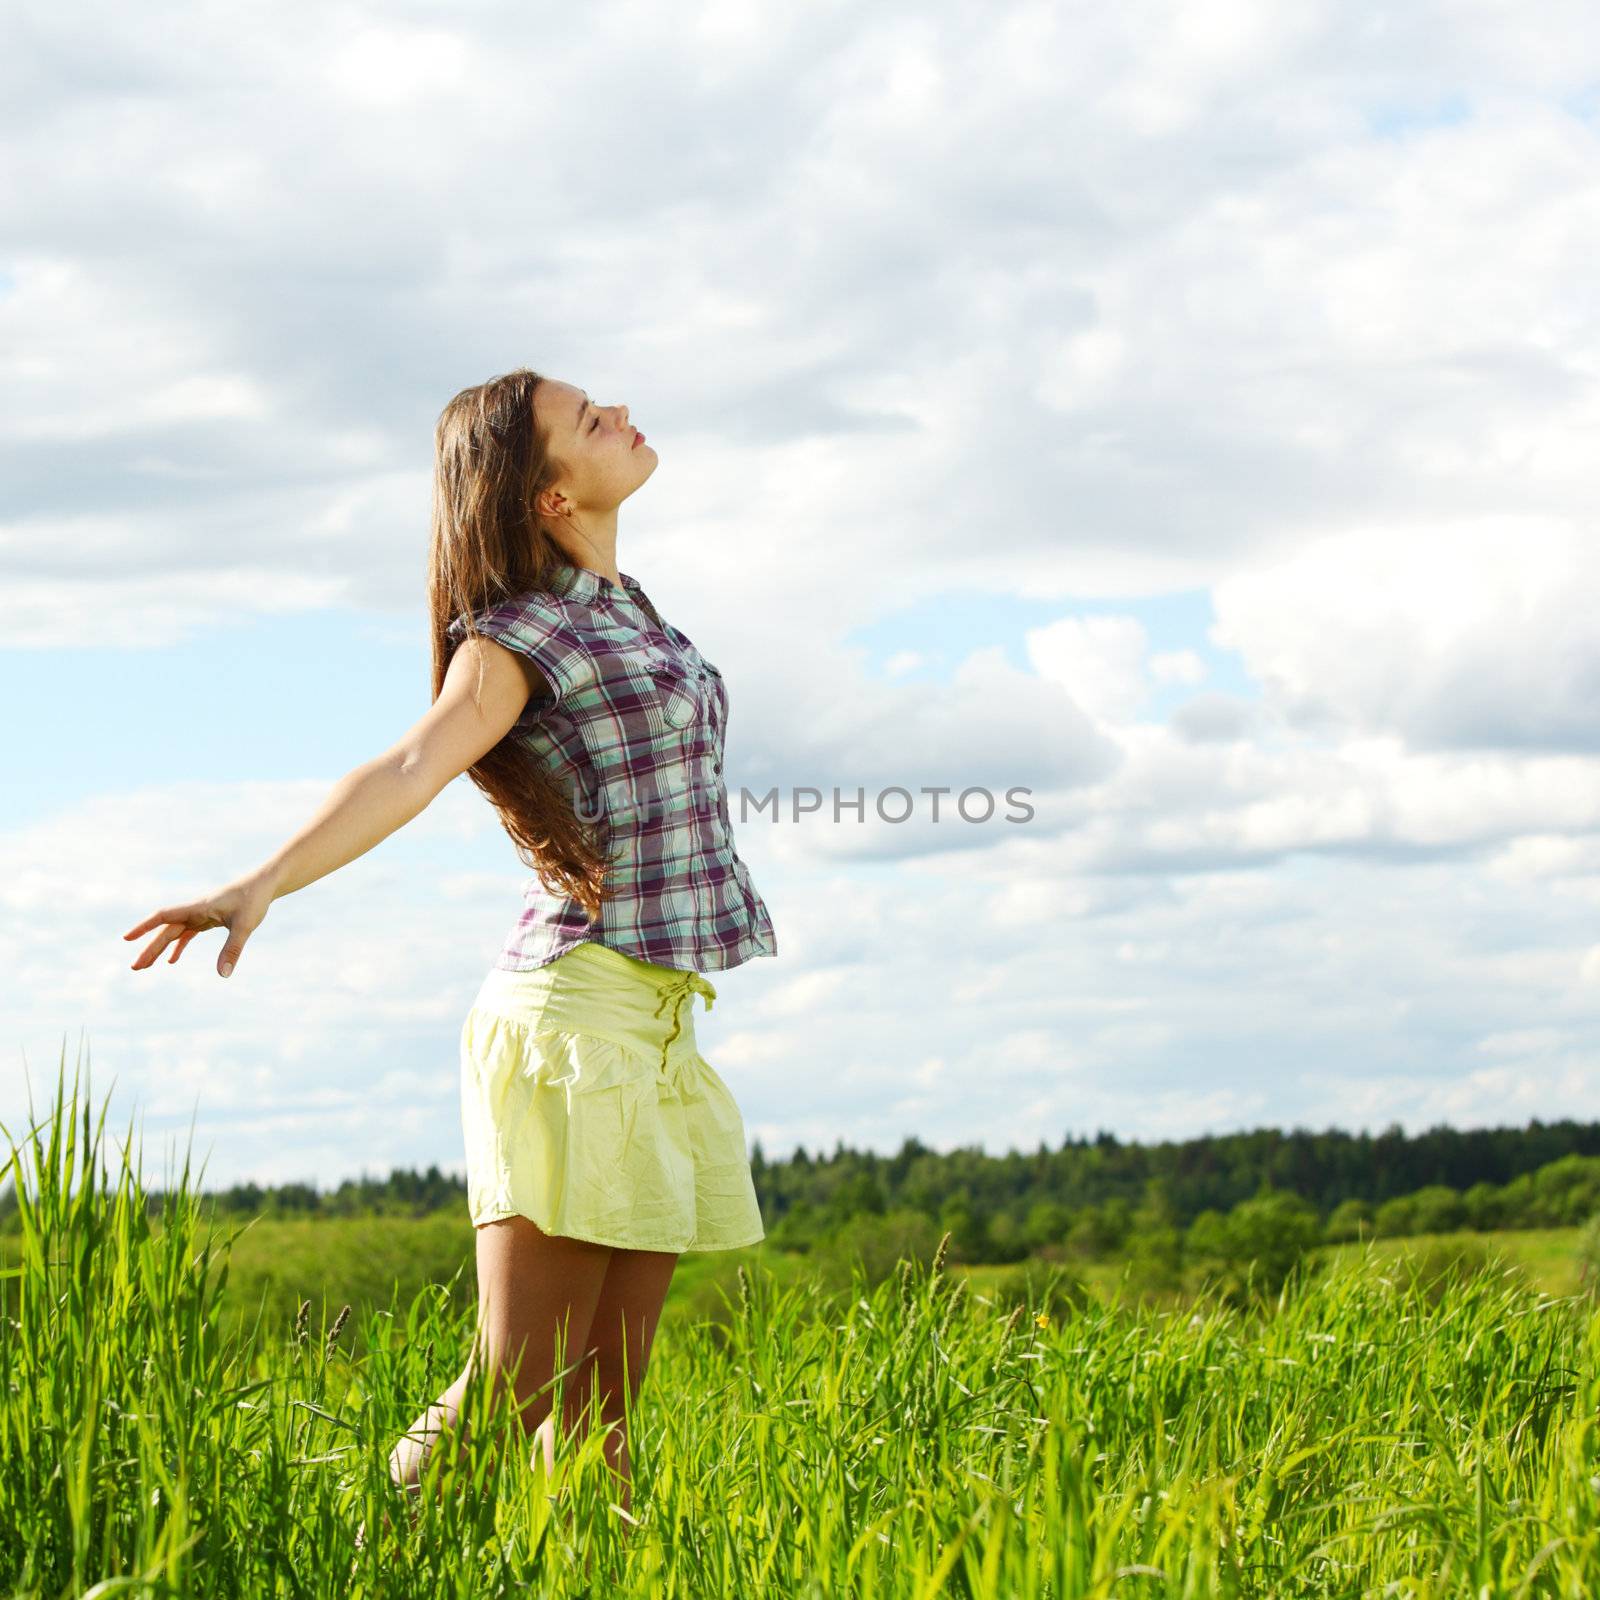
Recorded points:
(1547, 1257)
(1376, 1433)
(373, 1263)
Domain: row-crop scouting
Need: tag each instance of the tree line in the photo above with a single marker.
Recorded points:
(1099, 1196)
(1094, 1197)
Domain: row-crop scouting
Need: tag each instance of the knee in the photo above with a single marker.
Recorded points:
(531, 1390)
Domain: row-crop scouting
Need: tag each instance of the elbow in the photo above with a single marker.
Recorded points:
(421, 777)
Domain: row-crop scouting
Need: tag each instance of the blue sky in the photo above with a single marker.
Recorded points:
(133, 711)
(1185, 412)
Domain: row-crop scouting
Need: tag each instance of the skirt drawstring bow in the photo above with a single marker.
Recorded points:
(689, 983)
(674, 994)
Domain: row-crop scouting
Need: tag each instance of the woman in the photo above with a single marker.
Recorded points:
(600, 1144)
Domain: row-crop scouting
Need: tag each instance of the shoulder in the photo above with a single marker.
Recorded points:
(536, 625)
(532, 608)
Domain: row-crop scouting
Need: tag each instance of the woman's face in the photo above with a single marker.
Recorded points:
(599, 464)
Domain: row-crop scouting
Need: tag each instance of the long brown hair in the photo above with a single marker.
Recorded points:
(490, 542)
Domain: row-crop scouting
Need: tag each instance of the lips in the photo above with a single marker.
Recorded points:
(638, 439)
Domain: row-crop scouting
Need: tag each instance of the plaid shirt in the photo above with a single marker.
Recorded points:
(634, 729)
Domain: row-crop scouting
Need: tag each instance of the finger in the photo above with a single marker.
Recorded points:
(229, 957)
(152, 950)
(154, 920)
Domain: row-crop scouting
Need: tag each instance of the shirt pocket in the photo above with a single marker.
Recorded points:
(679, 692)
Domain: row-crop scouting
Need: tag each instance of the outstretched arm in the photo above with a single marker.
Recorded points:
(365, 806)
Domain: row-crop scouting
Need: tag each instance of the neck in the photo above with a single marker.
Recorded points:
(595, 547)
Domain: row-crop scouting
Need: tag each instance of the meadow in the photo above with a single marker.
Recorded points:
(190, 1410)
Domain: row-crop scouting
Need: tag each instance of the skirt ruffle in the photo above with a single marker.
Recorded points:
(595, 1139)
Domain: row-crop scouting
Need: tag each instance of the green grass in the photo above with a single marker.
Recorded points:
(1368, 1433)
(1549, 1256)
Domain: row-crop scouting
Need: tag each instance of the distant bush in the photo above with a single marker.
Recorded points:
(1484, 1204)
(1155, 1261)
(1562, 1193)
(1259, 1243)
(1436, 1269)
(1007, 1239)
(1437, 1209)
(877, 1243)
(968, 1230)
(1350, 1221)
(799, 1228)
(1207, 1236)
(1395, 1218)
(1098, 1230)
(1046, 1225)
(1057, 1290)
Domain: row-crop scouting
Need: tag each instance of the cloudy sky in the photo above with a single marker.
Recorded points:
(1188, 412)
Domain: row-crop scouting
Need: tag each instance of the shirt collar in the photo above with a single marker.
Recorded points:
(583, 583)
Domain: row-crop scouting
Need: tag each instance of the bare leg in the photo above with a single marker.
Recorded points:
(620, 1335)
(533, 1289)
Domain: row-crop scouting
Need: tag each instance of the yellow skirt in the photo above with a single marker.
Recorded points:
(587, 1107)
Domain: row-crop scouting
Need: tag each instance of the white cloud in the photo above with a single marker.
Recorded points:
(1098, 660)
(1469, 632)
(903, 661)
(1177, 666)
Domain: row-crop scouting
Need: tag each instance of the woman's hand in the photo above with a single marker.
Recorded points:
(240, 907)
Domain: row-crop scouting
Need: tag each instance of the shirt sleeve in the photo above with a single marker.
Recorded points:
(531, 629)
